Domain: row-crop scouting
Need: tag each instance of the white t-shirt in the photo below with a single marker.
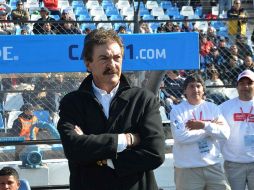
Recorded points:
(240, 116)
(197, 148)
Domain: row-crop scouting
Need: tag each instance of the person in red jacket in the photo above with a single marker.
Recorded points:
(52, 6)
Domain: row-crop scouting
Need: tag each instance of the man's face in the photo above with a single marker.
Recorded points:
(3, 17)
(237, 4)
(106, 66)
(248, 61)
(9, 183)
(234, 49)
(19, 6)
(245, 88)
(194, 93)
(43, 14)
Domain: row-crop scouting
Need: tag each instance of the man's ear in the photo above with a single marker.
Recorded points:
(87, 63)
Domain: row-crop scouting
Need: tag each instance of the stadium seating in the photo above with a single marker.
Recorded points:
(105, 25)
(127, 11)
(88, 25)
(43, 115)
(157, 11)
(187, 11)
(84, 18)
(115, 17)
(91, 4)
(122, 4)
(56, 17)
(151, 4)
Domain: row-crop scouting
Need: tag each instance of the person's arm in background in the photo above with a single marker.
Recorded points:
(16, 128)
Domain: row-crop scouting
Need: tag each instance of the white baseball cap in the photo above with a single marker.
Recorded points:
(246, 73)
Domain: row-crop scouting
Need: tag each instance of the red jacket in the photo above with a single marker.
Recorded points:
(51, 4)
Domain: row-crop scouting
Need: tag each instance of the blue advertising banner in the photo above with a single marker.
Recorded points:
(62, 53)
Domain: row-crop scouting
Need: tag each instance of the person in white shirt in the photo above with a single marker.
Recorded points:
(238, 150)
(197, 128)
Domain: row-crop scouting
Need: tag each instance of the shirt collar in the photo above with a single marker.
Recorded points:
(103, 92)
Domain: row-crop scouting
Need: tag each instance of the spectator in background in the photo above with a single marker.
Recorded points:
(231, 70)
(52, 6)
(87, 30)
(234, 50)
(211, 33)
(216, 93)
(168, 27)
(186, 26)
(22, 126)
(6, 28)
(197, 128)
(223, 48)
(144, 28)
(66, 16)
(214, 58)
(239, 25)
(247, 64)
(173, 84)
(38, 26)
(20, 14)
(176, 27)
(24, 31)
(47, 29)
(238, 151)
(122, 30)
(69, 28)
(9, 179)
(243, 48)
(205, 45)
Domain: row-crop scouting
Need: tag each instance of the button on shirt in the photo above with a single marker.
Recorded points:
(105, 99)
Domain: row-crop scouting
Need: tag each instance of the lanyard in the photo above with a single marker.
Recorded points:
(200, 115)
(243, 115)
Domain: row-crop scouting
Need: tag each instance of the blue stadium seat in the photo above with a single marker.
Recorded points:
(140, 6)
(172, 11)
(76, 3)
(199, 11)
(217, 24)
(111, 11)
(88, 25)
(107, 4)
(81, 11)
(84, 18)
(116, 17)
(165, 4)
(43, 115)
(148, 17)
(56, 17)
(154, 26)
(143, 11)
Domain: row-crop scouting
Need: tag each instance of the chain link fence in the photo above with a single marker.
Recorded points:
(222, 57)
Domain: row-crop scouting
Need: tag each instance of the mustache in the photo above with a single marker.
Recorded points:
(110, 71)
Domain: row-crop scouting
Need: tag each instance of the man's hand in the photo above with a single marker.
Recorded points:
(217, 122)
(78, 130)
(195, 124)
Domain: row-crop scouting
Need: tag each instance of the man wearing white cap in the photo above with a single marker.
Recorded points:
(238, 150)
(6, 28)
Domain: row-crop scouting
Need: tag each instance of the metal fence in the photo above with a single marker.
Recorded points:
(222, 58)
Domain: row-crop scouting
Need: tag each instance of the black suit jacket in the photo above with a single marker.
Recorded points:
(132, 110)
